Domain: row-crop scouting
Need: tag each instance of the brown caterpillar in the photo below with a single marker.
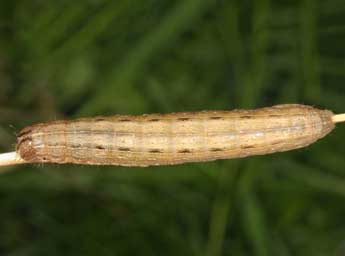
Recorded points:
(167, 139)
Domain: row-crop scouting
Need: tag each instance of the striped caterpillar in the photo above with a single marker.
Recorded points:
(167, 139)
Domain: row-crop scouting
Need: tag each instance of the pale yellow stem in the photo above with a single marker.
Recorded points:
(11, 158)
(338, 118)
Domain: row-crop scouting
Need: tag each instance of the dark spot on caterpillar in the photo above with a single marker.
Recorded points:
(183, 151)
(276, 142)
(154, 120)
(274, 115)
(215, 117)
(75, 145)
(155, 150)
(247, 146)
(216, 149)
(246, 117)
(98, 119)
(124, 149)
(183, 118)
(53, 144)
(100, 147)
(124, 120)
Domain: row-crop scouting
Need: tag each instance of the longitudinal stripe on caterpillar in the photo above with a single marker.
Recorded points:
(159, 139)
(222, 136)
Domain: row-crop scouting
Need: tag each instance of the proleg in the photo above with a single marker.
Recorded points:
(167, 139)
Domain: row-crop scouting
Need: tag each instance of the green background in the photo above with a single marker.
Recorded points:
(67, 59)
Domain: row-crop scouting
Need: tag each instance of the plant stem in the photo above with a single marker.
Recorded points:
(338, 118)
(11, 158)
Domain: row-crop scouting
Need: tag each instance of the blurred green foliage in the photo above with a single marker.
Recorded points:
(66, 59)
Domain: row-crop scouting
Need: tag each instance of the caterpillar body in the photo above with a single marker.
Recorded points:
(167, 139)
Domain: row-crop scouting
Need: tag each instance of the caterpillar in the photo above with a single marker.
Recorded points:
(176, 138)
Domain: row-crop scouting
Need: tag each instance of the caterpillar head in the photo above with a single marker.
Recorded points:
(25, 146)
